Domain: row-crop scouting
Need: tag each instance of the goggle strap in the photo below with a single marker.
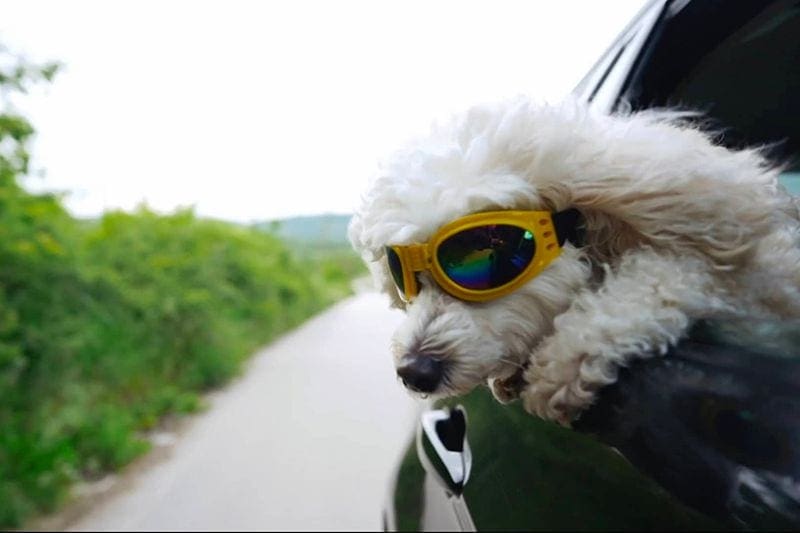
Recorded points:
(567, 229)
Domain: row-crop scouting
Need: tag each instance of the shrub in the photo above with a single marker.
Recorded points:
(108, 325)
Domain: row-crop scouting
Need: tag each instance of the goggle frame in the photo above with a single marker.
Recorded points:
(422, 257)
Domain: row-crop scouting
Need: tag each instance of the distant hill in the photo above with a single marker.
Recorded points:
(326, 229)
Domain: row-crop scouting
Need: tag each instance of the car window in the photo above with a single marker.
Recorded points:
(593, 80)
(791, 180)
(738, 61)
(590, 83)
(604, 93)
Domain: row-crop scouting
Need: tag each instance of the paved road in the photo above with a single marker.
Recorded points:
(307, 439)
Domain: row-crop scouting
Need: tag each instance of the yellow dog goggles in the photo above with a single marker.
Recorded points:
(483, 256)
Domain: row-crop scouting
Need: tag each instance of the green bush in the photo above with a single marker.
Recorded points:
(108, 325)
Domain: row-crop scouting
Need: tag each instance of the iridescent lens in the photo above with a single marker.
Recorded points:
(396, 268)
(486, 257)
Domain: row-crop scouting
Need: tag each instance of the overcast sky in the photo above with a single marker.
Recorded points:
(260, 110)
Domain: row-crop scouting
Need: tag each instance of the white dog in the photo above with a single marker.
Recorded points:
(674, 228)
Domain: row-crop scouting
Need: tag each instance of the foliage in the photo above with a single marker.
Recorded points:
(108, 325)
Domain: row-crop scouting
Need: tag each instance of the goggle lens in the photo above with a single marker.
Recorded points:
(396, 268)
(485, 257)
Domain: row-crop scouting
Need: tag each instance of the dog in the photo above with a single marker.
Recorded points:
(667, 227)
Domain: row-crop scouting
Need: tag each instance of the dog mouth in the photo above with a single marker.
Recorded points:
(423, 373)
(433, 375)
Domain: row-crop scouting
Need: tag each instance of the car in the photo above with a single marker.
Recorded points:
(707, 437)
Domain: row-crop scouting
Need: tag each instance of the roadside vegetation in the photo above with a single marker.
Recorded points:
(109, 325)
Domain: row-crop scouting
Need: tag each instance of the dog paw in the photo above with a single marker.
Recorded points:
(549, 401)
(556, 390)
(508, 389)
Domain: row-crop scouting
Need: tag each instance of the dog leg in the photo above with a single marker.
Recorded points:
(642, 307)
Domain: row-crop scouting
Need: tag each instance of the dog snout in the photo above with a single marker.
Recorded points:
(420, 372)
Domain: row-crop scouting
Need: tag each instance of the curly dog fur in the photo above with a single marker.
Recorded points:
(677, 228)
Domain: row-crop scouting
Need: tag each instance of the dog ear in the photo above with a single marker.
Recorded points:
(652, 178)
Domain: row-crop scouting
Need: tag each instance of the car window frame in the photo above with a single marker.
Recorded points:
(594, 78)
(608, 95)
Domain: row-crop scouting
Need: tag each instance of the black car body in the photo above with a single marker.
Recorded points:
(705, 438)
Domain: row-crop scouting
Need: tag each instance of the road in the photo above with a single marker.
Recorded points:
(306, 439)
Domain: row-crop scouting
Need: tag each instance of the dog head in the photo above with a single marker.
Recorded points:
(643, 179)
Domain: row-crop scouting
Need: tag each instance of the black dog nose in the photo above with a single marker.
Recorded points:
(420, 372)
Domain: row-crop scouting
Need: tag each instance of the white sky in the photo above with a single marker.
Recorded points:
(259, 110)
